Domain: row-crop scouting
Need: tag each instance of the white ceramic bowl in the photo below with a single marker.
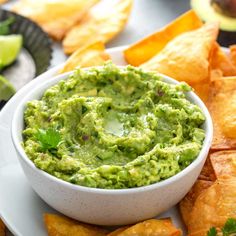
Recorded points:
(102, 206)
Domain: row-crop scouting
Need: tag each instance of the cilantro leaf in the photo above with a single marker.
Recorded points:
(49, 139)
(212, 232)
(229, 227)
(4, 25)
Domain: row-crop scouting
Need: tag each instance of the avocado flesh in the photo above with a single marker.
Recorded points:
(225, 7)
(208, 13)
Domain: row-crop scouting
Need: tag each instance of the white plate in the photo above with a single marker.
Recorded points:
(20, 208)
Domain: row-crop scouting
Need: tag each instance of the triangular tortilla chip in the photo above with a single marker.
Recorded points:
(203, 89)
(185, 58)
(224, 163)
(219, 60)
(187, 203)
(91, 55)
(56, 17)
(213, 207)
(63, 226)
(222, 107)
(148, 47)
(103, 22)
(152, 227)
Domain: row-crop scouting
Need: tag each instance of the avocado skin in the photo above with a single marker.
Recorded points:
(226, 38)
(226, 7)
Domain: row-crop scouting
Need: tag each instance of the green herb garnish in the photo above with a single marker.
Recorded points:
(229, 229)
(212, 232)
(49, 139)
(4, 25)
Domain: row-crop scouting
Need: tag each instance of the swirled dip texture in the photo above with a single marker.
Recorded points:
(113, 128)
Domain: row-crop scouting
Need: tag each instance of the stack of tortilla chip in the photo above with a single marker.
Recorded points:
(186, 50)
(77, 22)
(211, 202)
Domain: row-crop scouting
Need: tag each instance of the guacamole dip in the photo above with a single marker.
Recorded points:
(113, 128)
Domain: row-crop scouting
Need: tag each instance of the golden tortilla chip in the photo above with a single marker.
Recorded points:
(151, 45)
(213, 207)
(207, 172)
(152, 227)
(187, 203)
(233, 54)
(91, 55)
(56, 17)
(3, 1)
(224, 163)
(2, 228)
(185, 58)
(103, 22)
(219, 60)
(222, 106)
(202, 90)
(215, 75)
(60, 225)
(118, 231)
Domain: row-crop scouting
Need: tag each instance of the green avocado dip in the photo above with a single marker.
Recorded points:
(113, 128)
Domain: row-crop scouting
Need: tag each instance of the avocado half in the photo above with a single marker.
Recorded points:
(223, 11)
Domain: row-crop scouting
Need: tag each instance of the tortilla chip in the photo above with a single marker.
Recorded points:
(207, 172)
(215, 75)
(3, 1)
(118, 231)
(222, 106)
(91, 55)
(151, 45)
(202, 90)
(219, 60)
(63, 226)
(224, 163)
(187, 203)
(185, 58)
(56, 17)
(2, 228)
(233, 54)
(152, 227)
(213, 207)
(103, 22)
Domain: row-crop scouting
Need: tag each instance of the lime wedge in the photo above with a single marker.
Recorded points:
(10, 46)
(6, 89)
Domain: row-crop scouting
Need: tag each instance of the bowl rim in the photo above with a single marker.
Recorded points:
(54, 80)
